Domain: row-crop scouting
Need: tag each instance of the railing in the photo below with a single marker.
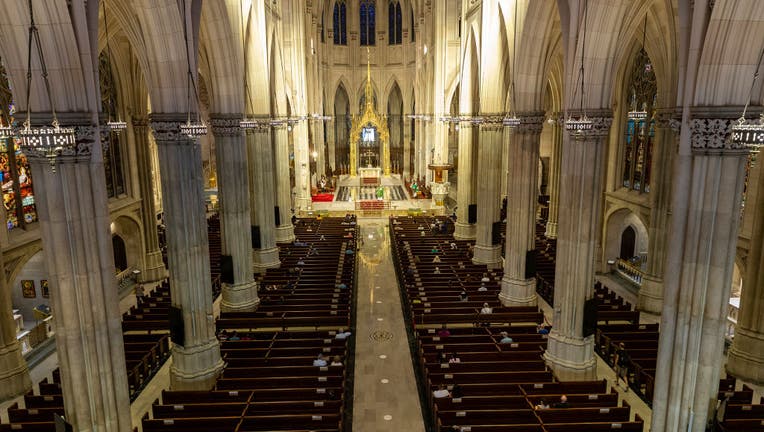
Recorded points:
(127, 277)
(630, 271)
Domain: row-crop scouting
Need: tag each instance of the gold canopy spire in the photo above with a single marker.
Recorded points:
(368, 91)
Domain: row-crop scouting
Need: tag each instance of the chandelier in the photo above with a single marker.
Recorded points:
(582, 123)
(49, 141)
(196, 128)
(750, 134)
(6, 130)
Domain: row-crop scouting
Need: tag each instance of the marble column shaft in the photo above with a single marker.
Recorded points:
(522, 191)
(554, 181)
(707, 193)
(746, 358)
(492, 136)
(153, 268)
(196, 363)
(262, 191)
(284, 228)
(74, 224)
(233, 192)
(14, 373)
(569, 354)
(466, 182)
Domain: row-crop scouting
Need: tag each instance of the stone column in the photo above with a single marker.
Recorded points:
(666, 136)
(466, 182)
(746, 358)
(406, 144)
(571, 355)
(262, 193)
(153, 267)
(330, 144)
(554, 179)
(492, 138)
(518, 288)
(74, 224)
(196, 363)
(233, 192)
(708, 185)
(284, 228)
(301, 165)
(14, 373)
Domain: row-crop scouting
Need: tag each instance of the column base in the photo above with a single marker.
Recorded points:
(551, 230)
(154, 269)
(263, 259)
(14, 373)
(464, 231)
(746, 358)
(571, 358)
(651, 295)
(285, 233)
(196, 367)
(518, 292)
(490, 256)
(239, 297)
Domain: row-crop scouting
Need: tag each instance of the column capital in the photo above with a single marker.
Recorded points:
(669, 118)
(166, 128)
(492, 121)
(139, 121)
(531, 122)
(226, 125)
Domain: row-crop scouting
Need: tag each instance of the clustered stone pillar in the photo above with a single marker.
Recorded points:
(518, 288)
(666, 135)
(707, 194)
(489, 203)
(746, 358)
(554, 180)
(74, 224)
(569, 353)
(14, 373)
(153, 268)
(466, 183)
(233, 190)
(284, 228)
(196, 361)
(262, 197)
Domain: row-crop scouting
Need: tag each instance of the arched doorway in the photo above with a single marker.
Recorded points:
(628, 243)
(120, 253)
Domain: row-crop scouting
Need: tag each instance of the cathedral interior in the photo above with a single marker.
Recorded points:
(381, 215)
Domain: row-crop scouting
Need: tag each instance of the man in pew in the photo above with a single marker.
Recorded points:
(342, 334)
(463, 296)
(437, 269)
(482, 288)
(563, 403)
(319, 361)
(485, 279)
(336, 361)
(542, 405)
(486, 309)
(441, 392)
(505, 339)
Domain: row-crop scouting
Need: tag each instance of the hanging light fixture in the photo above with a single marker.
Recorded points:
(6, 130)
(113, 125)
(582, 123)
(511, 120)
(750, 134)
(197, 128)
(53, 140)
(635, 113)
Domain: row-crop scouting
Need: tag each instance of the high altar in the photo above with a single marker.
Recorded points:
(368, 130)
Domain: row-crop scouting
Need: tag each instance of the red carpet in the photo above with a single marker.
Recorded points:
(324, 197)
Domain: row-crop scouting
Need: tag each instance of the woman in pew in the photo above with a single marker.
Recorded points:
(342, 334)
(454, 359)
(542, 405)
(563, 403)
(436, 259)
(319, 361)
(505, 339)
(486, 309)
(437, 270)
(336, 361)
(441, 392)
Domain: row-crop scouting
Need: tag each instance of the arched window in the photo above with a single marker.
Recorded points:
(112, 155)
(368, 21)
(413, 32)
(340, 23)
(394, 23)
(640, 125)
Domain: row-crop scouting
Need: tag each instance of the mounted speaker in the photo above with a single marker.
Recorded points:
(530, 264)
(177, 331)
(472, 213)
(226, 269)
(590, 317)
(277, 215)
(255, 237)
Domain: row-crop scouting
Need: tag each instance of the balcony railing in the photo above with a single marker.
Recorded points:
(629, 270)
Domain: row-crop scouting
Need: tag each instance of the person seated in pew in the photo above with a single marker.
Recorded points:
(442, 357)
(541, 329)
(453, 358)
(319, 361)
(483, 288)
(444, 332)
(322, 237)
(437, 270)
(441, 392)
(542, 405)
(301, 262)
(234, 336)
(421, 234)
(456, 391)
(485, 279)
(563, 403)
(336, 361)
(349, 251)
(342, 334)
(223, 335)
(486, 309)
(436, 259)
(341, 285)
(505, 339)
(434, 250)
(417, 259)
(463, 296)
(453, 246)
(461, 265)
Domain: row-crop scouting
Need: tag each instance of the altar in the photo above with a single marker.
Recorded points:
(375, 172)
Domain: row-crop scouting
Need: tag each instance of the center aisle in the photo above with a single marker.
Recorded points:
(386, 397)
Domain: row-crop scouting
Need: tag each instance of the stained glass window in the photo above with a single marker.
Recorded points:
(340, 23)
(112, 154)
(368, 23)
(640, 126)
(394, 24)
